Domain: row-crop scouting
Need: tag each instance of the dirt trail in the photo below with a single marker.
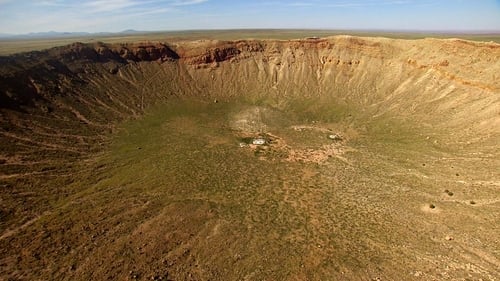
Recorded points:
(136, 156)
(9, 232)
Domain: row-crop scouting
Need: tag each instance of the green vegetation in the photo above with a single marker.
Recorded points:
(176, 184)
(278, 216)
(138, 173)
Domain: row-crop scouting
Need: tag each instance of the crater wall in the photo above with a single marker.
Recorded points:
(62, 104)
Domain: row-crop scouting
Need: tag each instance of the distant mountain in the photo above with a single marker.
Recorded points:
(55, 34)
(131, 31)
(49, 34)
(4, 35)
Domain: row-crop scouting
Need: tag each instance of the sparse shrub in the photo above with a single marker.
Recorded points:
(246, 140)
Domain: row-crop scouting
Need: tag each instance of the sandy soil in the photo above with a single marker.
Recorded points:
(116, 163)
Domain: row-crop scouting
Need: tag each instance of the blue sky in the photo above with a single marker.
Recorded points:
(24, 16)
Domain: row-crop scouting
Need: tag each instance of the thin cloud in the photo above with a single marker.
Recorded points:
(49, 3)
(342, 3)
(368, 3)
(23, 16)
(375, 3)
(301, 4)
(109, 5)
(188, 2)
(92, 14)
(100, 6)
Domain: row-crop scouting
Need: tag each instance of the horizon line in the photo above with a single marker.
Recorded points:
(375, 30)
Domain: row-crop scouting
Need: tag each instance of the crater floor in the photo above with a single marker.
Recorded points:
(379, 161)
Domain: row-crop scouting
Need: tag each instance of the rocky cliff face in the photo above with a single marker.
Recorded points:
(59, 107)
(450, 84)
(122, 52)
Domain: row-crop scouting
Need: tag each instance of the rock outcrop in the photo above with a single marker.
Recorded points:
(60, 109)
(449, 84)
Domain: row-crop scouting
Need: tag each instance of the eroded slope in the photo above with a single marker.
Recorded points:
(419, 117)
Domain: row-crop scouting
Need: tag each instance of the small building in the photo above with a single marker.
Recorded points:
(259, 141)
(335, 137)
